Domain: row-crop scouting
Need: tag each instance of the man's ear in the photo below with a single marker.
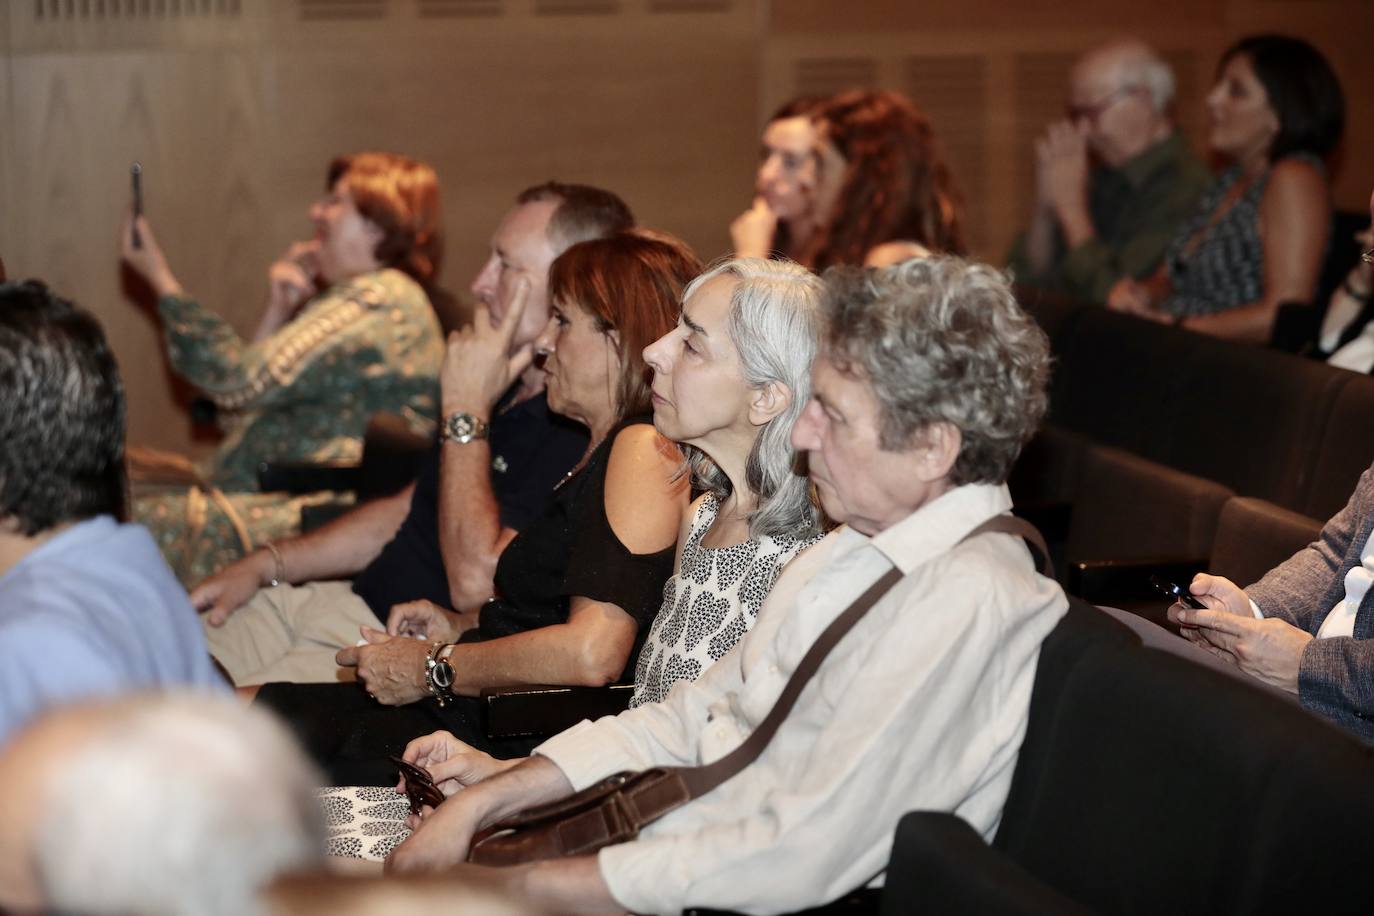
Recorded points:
(937, 449)
(769, 401)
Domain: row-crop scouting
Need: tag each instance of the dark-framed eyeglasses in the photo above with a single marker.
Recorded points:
(1096, 109)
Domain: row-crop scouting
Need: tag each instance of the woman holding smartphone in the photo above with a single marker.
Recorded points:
(347, 331)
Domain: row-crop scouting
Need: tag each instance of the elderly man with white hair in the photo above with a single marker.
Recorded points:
(1114, 178)
(153, 804)
(929, 380)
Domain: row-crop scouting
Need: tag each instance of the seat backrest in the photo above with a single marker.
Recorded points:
(1113, 379)
(1254, 536)
(1194, 402)
(1344, 450)
(393, 453)
(1149, 784)
(1250, 418)
(1131, 508)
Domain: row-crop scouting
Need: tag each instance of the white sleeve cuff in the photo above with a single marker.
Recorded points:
(1259, 615)
(585, 754)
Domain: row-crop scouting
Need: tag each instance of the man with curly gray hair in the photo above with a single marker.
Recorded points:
(929, 380)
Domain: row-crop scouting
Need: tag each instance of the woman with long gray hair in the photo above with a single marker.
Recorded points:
(730, 381)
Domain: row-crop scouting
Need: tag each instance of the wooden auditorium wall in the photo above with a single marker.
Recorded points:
(992, 73)
(235, 107)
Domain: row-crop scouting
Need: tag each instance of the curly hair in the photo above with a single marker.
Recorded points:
(774, 323)
(61, 413)
(401, 196)
(941, 339)
(897, 186)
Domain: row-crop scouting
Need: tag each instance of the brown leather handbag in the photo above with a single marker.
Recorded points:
(615, 809)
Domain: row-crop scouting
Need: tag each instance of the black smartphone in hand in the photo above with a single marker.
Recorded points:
(136, 181)
(1177, 592)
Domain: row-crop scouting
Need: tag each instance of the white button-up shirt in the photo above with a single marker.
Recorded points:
(922, 705)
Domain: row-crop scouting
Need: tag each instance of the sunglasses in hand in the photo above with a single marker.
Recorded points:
(420, 788)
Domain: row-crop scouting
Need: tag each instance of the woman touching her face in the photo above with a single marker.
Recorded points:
(1258, 238)
(347, 332)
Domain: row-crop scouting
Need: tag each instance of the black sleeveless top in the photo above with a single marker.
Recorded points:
(571, 550)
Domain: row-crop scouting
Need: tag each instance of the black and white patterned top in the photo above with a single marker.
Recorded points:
(1225, 269)
(708, 604)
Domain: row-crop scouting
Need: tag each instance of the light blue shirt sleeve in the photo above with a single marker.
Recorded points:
(42, 664)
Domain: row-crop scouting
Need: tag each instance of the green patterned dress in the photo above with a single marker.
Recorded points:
(365, 345)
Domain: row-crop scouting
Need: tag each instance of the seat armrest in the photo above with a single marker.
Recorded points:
(1120, 582)
(862, 902)
(307, 477)
(940, 864)
(1296, 326)
(518, 712)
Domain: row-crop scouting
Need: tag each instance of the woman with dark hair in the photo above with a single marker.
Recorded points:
(877, 186)
(347, 332)
(576, 590)
(87, 607)
(1260, 233)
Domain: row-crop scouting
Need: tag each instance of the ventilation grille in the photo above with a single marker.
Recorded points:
(1188, 92)
(1042, 90)
(690, 6)
(63, 10)
(459, 9)
(953, 92)
(824, 75)
(341, 10)
(576, 7)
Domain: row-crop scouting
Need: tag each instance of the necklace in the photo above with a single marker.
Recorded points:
(586, 456)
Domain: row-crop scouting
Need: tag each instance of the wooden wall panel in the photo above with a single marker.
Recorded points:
(235, 106)
(954, 93)
(235, 110)
(879, 16)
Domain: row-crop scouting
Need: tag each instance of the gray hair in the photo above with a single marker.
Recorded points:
(1140, 65)
(774, 322)
(183, 805)
(941, 339)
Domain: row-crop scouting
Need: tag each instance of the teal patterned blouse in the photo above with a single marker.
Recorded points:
(367, 344)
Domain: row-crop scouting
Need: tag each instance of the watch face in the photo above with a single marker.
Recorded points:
(443, 674)
(464, 427)
(460, 426)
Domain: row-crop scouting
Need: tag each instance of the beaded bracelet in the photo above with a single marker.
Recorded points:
(278, 565)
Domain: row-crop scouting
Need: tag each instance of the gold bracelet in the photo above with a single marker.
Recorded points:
(278, 565)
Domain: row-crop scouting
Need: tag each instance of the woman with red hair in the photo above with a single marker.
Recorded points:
(858, 178)
(348, 331)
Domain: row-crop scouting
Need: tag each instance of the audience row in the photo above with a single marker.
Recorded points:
(773, 503)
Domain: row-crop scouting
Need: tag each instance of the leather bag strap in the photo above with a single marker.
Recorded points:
(702, 779)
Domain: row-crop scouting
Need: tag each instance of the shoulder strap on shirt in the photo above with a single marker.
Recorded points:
(702, 779)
